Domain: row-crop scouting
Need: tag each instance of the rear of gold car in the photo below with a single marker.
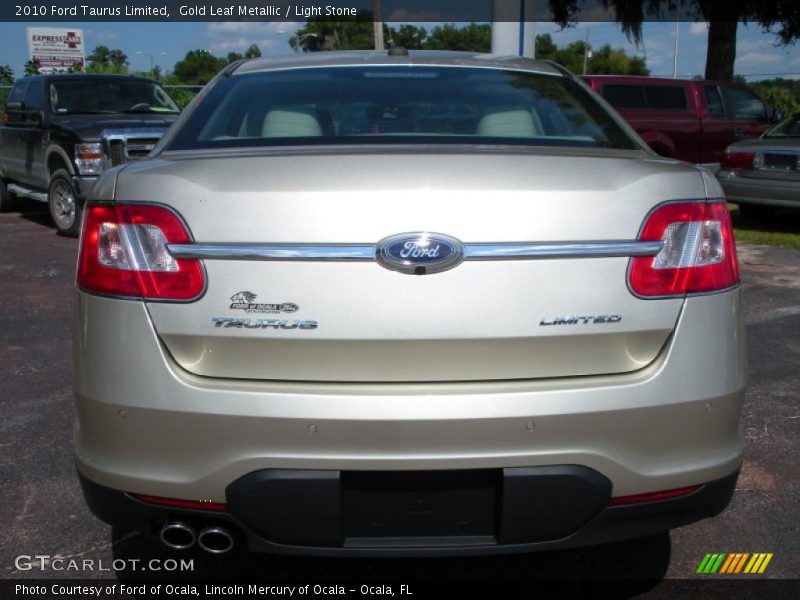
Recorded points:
(272, 351)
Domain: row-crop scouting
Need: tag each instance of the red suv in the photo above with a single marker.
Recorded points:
(691, 120)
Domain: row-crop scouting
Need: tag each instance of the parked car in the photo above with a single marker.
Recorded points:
(406, 303)
(691, 120)
(60, 132)
(764, 173)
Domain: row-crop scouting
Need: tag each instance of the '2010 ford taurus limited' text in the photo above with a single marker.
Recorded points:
(406, 303)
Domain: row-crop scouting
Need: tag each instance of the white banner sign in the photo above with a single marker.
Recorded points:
(56, 49)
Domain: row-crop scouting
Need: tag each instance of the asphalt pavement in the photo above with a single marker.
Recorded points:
(43, 511)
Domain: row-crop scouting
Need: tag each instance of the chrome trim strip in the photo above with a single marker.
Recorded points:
(354, 252)
(306, 252)
(560, 250)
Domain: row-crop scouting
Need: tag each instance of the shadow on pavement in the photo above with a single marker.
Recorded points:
(780, 220)
(35, 212)
(638, 565)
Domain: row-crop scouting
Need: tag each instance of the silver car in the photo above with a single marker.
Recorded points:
(763, 173)
(406, 303)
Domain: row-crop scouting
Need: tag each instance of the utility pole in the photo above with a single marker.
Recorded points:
(151, 56)
(675, 54)
(377, 23)
(586, 51)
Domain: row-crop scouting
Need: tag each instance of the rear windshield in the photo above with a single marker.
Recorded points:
(658, 97)
(109, 96)
(396, 105)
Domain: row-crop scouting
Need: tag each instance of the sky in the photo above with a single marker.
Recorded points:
(758, 56)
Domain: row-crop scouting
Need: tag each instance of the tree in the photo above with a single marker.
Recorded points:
(118, 58)
(32, 67)
(181, 95)
(100, 57)
(198, 67)
(606, 60)
(781, 94)
(614, 61)
(6, 75)
(472, 38)
(346, 33)
(356, 33)
(6, 79)
(105, 60)
(723, 19)
(545, 46)
(234, 56)
(252, 52)
(409, 37)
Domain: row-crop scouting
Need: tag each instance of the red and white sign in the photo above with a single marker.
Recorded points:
(56, 49)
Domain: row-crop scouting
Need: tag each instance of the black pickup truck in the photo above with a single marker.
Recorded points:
(60, 132)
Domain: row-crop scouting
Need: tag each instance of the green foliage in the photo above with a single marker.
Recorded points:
(106, 70)
(604, 61)
(6, 75)
(198, 67)
(614, 61)
(32, 67)
(181, 95)
(252, 52)
(118, 58)
(347, 33)
(107, 61)
(6, 79)
(409, 37)
(472, 38)
(357, 33)
(782, 229)
(100, 56)
(545, 46)
(781, 94)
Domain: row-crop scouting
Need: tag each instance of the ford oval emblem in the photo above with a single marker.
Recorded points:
(419, 253)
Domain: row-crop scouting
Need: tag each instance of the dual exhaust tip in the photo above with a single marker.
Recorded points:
(180, 536)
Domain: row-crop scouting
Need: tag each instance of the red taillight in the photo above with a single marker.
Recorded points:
(698, 255)
(652, 496)
(737, 160)
(177, 503)
(124, 253)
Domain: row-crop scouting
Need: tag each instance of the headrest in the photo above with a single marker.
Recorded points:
(508, 123)
(294, 122)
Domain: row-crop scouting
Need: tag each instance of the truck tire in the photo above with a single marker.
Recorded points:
(65, 207)
(6, 199)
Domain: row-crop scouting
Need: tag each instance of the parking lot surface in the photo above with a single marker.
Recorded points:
(43, 511)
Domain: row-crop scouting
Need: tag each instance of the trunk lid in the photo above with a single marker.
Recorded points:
(513, 319)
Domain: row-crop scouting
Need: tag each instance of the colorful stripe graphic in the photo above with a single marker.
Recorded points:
(734, 562)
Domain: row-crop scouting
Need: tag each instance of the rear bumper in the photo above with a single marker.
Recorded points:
(753, 190)
(481, 512)
(145, 426)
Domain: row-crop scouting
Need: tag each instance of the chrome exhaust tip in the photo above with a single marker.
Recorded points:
(177, 535)
(215, 540)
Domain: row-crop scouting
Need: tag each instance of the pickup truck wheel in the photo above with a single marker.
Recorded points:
(65, 208)
(6, 199)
